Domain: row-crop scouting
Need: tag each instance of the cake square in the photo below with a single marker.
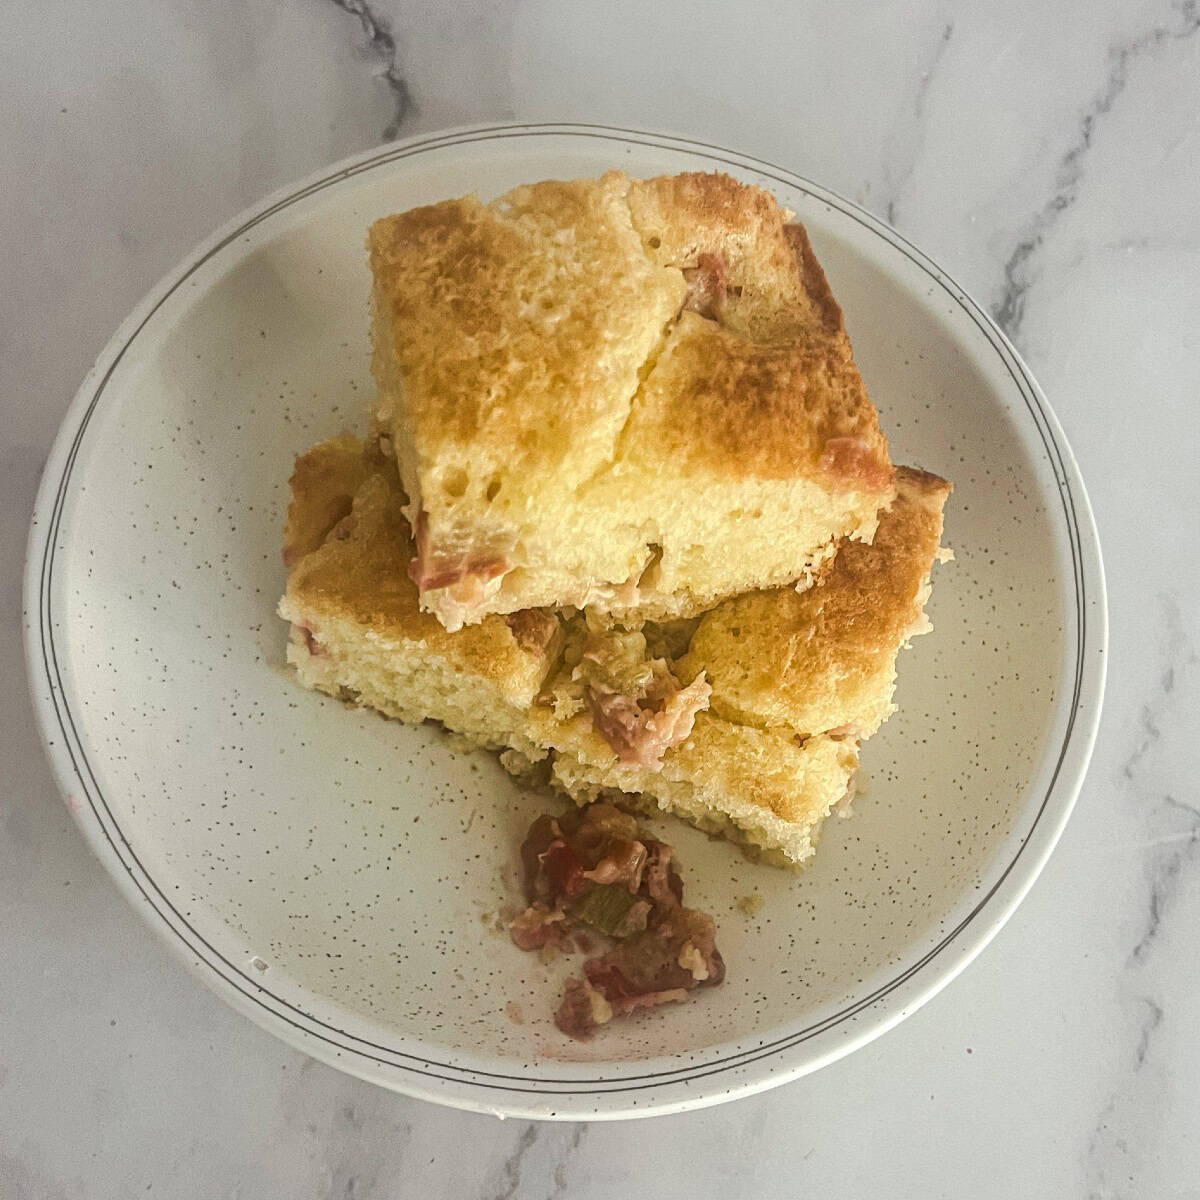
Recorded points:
(634, 396)
(667, 716)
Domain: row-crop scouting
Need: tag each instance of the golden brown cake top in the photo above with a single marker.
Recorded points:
(323, 485)
(772, 410)
(824, 659)
(523, 322)
(523, 347)
(518, 320)
(771, 286)
(350, 579)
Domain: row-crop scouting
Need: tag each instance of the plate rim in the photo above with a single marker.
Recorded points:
(479, 1089)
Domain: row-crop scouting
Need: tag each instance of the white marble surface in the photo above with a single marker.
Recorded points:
(1047, 156)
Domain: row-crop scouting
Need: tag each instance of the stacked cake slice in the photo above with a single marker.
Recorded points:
(626, 513)
(635, 397)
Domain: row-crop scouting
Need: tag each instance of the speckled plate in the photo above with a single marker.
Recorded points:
(335, 876)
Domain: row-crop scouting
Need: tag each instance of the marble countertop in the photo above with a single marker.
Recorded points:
(1047, 156)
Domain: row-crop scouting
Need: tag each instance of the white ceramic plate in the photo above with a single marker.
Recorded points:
(329, 873)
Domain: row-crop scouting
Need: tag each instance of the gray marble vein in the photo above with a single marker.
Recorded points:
(1019, 267)
(1175, 853)
(564, 1161)
(1179, 658)
(381, 42)
(1136, 1100)
(539, 1162)
(904, 144)
(510, 1172)
(1108, 1150)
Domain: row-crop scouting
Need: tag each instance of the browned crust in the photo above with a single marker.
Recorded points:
(450, 272)
(520, 353)
(774, 284)
(816, 286)
(358, 572)
(482, 318)
(323, 485)
(783, 657)
(680, 216)
(766, 395)
(869, 600)
(768, 410)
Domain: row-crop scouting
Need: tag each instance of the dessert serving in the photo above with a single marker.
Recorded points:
(632, 396)
(326, 852)
(746, 721)
(625, 515)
